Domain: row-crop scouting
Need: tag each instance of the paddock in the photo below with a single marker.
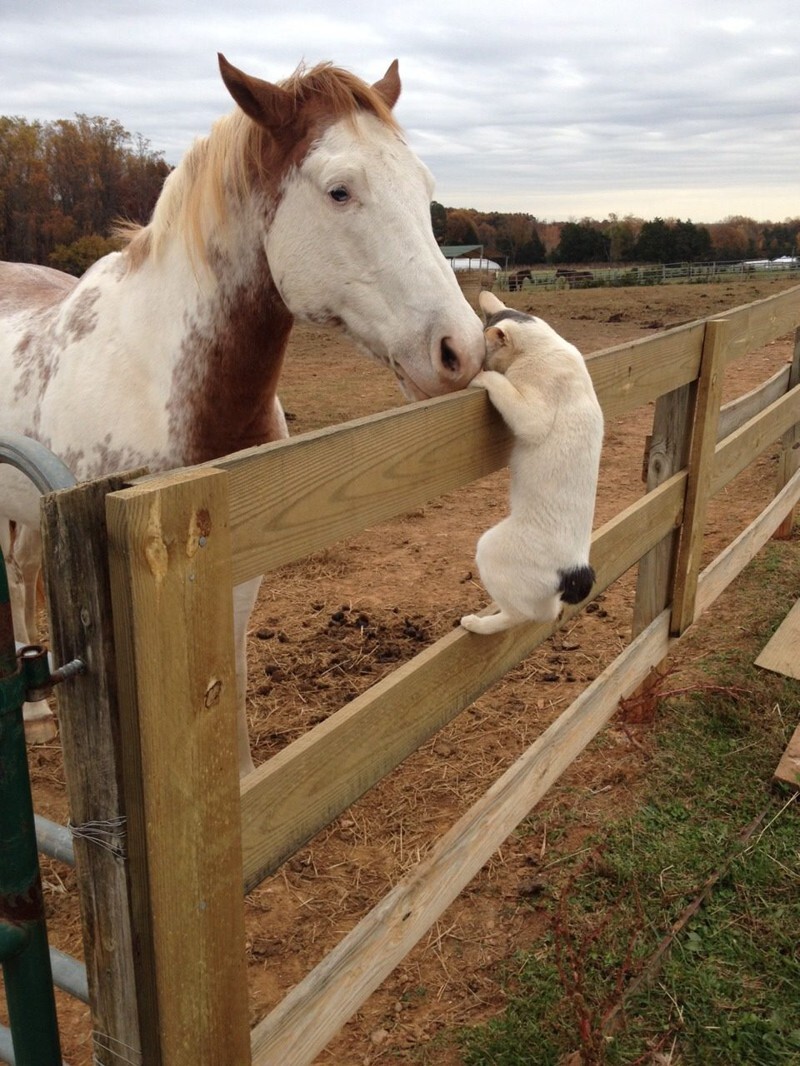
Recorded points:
(163, 554)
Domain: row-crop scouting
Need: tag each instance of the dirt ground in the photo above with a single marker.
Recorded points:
(328, 628)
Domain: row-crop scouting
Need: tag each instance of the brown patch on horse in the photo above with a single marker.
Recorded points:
(50, 333)
(224, 384)
(82, 317)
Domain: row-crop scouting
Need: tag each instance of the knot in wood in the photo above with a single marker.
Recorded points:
(213, 693)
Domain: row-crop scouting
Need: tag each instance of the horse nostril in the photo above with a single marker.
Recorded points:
(450, 360)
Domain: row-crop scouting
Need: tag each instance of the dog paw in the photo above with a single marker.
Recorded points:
(472, 622)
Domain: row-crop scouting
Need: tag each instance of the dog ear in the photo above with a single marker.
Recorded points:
(496, 337)
(489, 303)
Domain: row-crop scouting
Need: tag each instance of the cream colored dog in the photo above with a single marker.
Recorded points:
(538, 557)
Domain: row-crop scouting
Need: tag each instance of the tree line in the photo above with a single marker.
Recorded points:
(65, 184)
(522, 240)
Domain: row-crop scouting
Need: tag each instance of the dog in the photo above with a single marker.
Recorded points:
(537, 559)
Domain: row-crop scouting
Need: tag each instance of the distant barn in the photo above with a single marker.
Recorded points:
(468, 257)
(473, 270)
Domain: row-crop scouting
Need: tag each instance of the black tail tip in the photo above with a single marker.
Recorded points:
(576, 584)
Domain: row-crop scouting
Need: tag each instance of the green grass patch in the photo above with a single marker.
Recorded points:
(727, 991)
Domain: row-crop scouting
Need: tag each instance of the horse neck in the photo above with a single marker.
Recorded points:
(224, 393)
(229, 350)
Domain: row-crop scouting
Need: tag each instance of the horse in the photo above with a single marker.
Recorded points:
(574, 278)
(304, 203)
(517, 278)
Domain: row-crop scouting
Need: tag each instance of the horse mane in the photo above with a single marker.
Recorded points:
(238, 155)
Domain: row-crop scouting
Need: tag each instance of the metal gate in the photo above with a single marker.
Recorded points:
(29, 966)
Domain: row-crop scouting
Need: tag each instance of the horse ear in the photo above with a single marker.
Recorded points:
(389, 86)
(263, 102)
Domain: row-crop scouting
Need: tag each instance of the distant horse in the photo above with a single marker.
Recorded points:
(305, 203)
(517, 278)
(575, 278)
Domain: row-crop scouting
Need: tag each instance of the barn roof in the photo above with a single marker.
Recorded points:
(455, 251)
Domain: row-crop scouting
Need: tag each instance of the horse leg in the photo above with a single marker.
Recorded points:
(23, 555)
(16, 585)
(244, 600)
(28, 554)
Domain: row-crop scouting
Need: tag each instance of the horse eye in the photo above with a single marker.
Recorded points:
(339, 194)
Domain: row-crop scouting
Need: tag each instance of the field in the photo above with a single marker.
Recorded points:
(328, 628)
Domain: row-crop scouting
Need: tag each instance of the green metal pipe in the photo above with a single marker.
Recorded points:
(23, 934)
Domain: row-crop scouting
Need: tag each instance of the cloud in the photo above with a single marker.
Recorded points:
(669, 106)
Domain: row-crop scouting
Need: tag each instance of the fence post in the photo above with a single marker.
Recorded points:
(668, 453)
(170, 564)
(701, 465)
(789, 458)
(79, 609)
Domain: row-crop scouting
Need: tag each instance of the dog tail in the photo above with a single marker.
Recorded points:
(576, 583)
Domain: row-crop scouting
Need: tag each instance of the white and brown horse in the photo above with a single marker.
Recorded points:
(305, 203)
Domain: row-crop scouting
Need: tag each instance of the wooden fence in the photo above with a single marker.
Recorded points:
(149, 734)
(646, 274)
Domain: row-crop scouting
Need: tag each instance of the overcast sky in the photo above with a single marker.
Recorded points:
(677, 108)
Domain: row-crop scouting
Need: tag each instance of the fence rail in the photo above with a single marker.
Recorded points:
(177, 544)
(646, 274)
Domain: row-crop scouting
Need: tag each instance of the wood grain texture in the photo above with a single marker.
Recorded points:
(748, 442)
(788, 769)
(314, 1010)
(781, 654)
(756, 324)
(291, 498)
(789, 459)
(79, 610)
(172, 626)
(295, 497)
(169, 550)
(668, 453)
(734, 414)
(699, 475)
(732, 560)
(294, 795)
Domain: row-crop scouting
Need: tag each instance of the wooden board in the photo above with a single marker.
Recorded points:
(169, 559)
(300, 1026)
(788, 768)
(701, 462)
(79, 605)
(303, 1023)
(782, 652)
(293, 795)
(291, 498)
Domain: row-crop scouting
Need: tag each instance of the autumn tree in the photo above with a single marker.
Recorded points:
(460, 227)
(736, 237)
(26, 208)
(518, 239)
(69, 181)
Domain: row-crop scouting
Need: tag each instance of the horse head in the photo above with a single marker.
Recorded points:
(346, 224)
